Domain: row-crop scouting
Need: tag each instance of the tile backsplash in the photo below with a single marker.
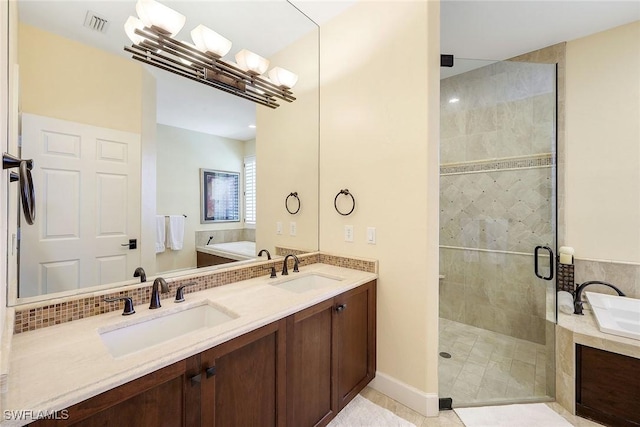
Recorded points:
(48, 313)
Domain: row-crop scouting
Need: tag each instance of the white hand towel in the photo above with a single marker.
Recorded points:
(175, 232)
(565, 302)
(160, 233)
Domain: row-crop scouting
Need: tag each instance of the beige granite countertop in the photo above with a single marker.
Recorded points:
(585, 331)
(58, 366)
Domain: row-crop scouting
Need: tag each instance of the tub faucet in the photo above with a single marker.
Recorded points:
(577, 301)
(285, 271)
(266, 252)
(155, 295)
(141, 274)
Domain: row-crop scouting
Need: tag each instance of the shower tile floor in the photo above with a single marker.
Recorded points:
(487, 367)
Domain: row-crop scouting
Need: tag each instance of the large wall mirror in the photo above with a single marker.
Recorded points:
(118, 147)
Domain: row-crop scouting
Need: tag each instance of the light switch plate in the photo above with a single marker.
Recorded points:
(279, 227)
(293, 228)
(371, 235)
(348, 233)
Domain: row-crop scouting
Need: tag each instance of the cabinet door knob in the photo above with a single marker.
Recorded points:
(341, 307)
(196, 379)
(210, 371)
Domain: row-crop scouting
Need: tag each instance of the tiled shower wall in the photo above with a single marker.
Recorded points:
(496, 195)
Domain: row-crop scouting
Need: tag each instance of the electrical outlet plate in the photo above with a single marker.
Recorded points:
(279, 227)
(293, 228)
(348, 233)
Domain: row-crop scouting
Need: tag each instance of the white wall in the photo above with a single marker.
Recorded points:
(287, 154)
(250, 148)
(68, 80)
(379, 133)
(603, 145)
(180, 155)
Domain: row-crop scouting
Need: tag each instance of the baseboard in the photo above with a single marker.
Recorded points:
(426, 404)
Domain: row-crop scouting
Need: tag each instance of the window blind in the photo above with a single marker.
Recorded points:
(250, 190)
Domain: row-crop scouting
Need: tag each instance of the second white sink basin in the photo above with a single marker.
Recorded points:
(146, 333)
(616, 315)
(306, 282)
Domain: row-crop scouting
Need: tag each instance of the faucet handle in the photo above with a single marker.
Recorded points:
(128, 304)
(180, 292)
(273, 272)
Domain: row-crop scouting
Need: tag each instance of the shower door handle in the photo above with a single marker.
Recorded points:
(536, 256)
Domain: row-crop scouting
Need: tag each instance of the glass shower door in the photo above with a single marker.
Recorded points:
(497, 203)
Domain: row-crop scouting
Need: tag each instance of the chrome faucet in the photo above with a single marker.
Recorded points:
(265, 251)
(285, 271)
(141, 274)
(155, 295)
(577, 301)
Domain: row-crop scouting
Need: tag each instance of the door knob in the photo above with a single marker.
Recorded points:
(133, 244)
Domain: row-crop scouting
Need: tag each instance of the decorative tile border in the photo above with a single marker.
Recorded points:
(49, 313)
(543, 160)
(369, 266)
(282, 251)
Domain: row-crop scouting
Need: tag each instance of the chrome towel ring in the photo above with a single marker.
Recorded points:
(353, 201)
(286, 202)
(27, 192)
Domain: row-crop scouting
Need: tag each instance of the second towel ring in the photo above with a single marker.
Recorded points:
(346, 193)
(286, 203)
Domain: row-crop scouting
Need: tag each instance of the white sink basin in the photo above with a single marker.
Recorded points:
(307, 282)
(616, 315)
(130, 338)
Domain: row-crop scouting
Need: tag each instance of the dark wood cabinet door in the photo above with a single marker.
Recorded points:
(355, 340)
(247, 387)
(607, 387)
(161, 398)
(310, 393)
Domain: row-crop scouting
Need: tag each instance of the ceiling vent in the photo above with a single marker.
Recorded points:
(95, 22)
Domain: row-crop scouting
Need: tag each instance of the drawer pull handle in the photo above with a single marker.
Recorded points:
(210, 371)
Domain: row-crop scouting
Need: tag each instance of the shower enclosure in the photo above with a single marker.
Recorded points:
(497, 203)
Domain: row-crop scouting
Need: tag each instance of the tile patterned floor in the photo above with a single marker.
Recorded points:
(449, 418)
(487, 367)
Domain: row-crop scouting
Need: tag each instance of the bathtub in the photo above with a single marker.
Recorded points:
(616, 315)
(233, 250)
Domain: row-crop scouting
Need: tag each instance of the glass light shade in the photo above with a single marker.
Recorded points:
(130, 28)
(251, 62)
(207, 40)
(154, 14)
(281, 77)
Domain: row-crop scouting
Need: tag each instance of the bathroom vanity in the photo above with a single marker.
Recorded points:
(597, 372)
(287, 358)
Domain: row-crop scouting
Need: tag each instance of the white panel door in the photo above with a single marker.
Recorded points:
(87, 182)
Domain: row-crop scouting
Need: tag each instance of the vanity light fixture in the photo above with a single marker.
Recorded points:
(153, 41)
